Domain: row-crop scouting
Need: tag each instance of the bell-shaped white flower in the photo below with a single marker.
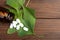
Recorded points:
(18, 27)
(17, 20)
(17, 24)
(14, 25)
(25, 28)
(14, 22)
(11, 25)
(21, 25)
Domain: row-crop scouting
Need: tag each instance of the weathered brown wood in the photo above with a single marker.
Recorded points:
(46, 8)
(49, 28)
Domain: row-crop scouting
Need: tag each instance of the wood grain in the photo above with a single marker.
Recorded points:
(46, 8)
(47, 23)
(49, 28)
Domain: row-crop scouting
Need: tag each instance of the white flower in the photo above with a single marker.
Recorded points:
(18, 27)
(17, 24)
(21, 25)
(25, 28)
(14, 22)
(14, 25)
(17, 20)
(11, 25)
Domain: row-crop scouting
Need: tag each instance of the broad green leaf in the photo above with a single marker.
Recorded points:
(29, 18)
(11, 31)
(32, 11)
(13, 4)
(21, 2)
(21, 32)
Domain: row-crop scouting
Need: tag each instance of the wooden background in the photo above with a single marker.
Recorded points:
(47, 23)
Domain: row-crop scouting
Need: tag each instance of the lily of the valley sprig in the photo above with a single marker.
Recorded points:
(17, 24)
(24, 19)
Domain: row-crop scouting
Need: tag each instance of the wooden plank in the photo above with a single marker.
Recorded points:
(46, 8)
(49, 28)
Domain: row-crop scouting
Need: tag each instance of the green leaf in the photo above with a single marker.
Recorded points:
(32, 11)
(29, 18)
(21, 32)
(12, 10)
(15, 12)
(11, 31)
(13, 4)
(21, 2)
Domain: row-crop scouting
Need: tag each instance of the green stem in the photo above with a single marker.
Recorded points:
(19, 14)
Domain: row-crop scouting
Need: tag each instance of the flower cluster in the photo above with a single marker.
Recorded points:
(17, 24)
